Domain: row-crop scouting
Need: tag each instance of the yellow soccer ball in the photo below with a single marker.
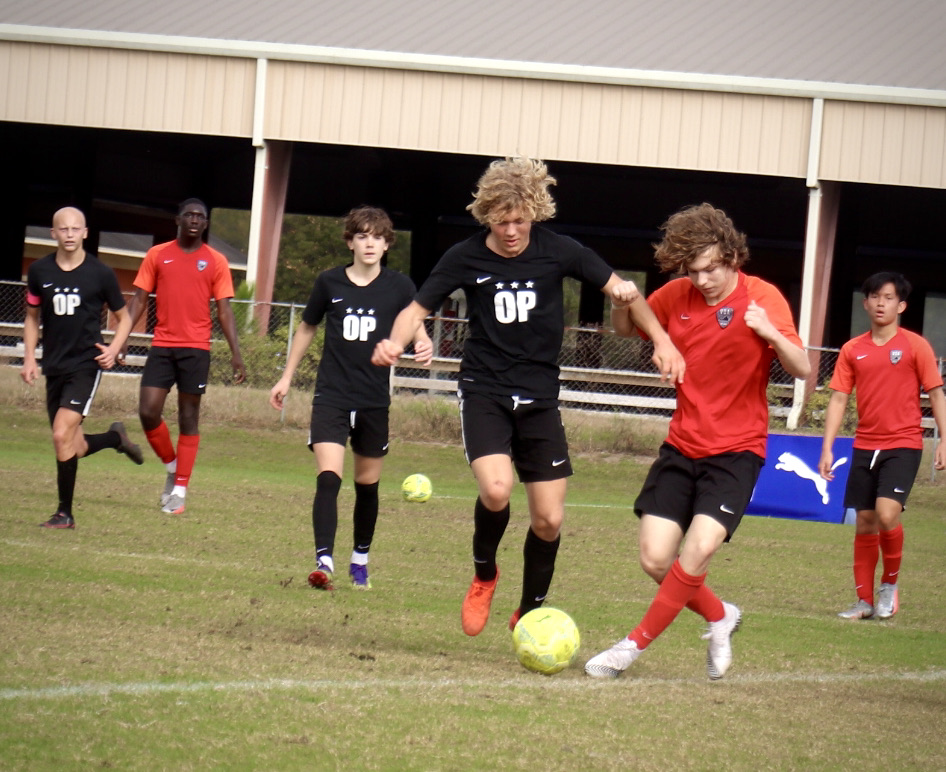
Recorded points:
(546, 640)
(416, 488)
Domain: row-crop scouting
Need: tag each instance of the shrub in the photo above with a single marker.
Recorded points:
(816, 406)
(265, 358)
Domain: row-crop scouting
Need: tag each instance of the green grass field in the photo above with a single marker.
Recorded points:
(147, 641)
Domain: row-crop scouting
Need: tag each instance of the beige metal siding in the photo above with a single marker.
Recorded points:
(120, 89)
(484, 115)
(889, 144)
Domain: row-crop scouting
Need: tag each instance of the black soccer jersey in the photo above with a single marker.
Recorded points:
(71, 304)
(356, 318)
(516, 309)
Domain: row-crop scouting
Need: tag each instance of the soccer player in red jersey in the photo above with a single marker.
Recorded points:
(729, 327)
(889, 366)
(185, 275)
(68, 290)
(512, 273)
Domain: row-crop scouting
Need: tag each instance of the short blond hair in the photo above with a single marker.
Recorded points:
(513, 183)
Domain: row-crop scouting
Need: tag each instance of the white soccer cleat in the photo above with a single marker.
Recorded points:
(860, 610)
(168, 487)
(614, 661)
(719, 652)
(888, 601)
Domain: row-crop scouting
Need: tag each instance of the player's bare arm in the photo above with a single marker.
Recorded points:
(30, 370)
(621, 296)
(423, 347)
(833, 416)
(228, 325)
(136, 307)
(108, 355)
(938, 406)
(622, 293)
(387, 351)
(301, 341)
(793, 358)
(629, 313)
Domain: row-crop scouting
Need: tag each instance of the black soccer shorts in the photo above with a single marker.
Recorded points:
(529, 431)
(679, 488)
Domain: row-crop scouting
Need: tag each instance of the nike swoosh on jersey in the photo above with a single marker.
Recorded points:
(168, 261)
(47, 286)
(862, 356)
(727, 510)
(337, 300)
(559, 463)
(481, 279)
(75, 401)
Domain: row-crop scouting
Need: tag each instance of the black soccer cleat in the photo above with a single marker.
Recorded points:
(59, 520)
(125, 445)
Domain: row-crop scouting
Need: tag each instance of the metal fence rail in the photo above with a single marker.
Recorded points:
(599, 370)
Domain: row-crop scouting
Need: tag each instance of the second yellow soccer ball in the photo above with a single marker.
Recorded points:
(417, 488)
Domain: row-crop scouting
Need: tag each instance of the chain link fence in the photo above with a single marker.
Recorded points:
(600, 371)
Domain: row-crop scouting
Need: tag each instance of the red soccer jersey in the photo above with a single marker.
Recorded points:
(184, 284)
(888, 379)
(721, 404)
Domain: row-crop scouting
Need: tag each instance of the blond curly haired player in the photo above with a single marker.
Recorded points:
(512, 273)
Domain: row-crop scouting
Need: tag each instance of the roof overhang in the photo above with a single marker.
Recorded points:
(474, 66)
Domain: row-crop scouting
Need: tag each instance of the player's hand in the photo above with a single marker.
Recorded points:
(239, 370)
(669, 362)
(939, 457)
(29, 372)
(386, 353)
(757, 320)
(624, 293)
(106, 357)
(826, 464)
(423, 351)
(277, 395)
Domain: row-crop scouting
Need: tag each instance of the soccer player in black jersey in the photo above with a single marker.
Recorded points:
(68, 290)
(512, 273)
(358, 303)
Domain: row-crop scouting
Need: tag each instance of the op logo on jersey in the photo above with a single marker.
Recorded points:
(895, 356)
(358, 324)
(513, 304)
(724, 316)
(66, 301)
(201, 264)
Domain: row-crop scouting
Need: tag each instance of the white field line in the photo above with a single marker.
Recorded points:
(82, 691)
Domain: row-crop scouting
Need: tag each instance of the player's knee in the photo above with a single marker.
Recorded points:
(149, 416)
(655, 566)
(495, 495)
(62, 440)
(546, 526)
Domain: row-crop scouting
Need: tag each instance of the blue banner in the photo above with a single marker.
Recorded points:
(790, 486)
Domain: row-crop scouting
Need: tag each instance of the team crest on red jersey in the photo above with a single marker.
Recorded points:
(895, 356)
(724, 317)
(201, 264)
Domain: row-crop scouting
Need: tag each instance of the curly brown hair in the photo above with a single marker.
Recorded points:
(369, 219)
(513, 183)
(693, 230)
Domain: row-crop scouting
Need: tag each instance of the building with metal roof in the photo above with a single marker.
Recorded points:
(820, 127)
